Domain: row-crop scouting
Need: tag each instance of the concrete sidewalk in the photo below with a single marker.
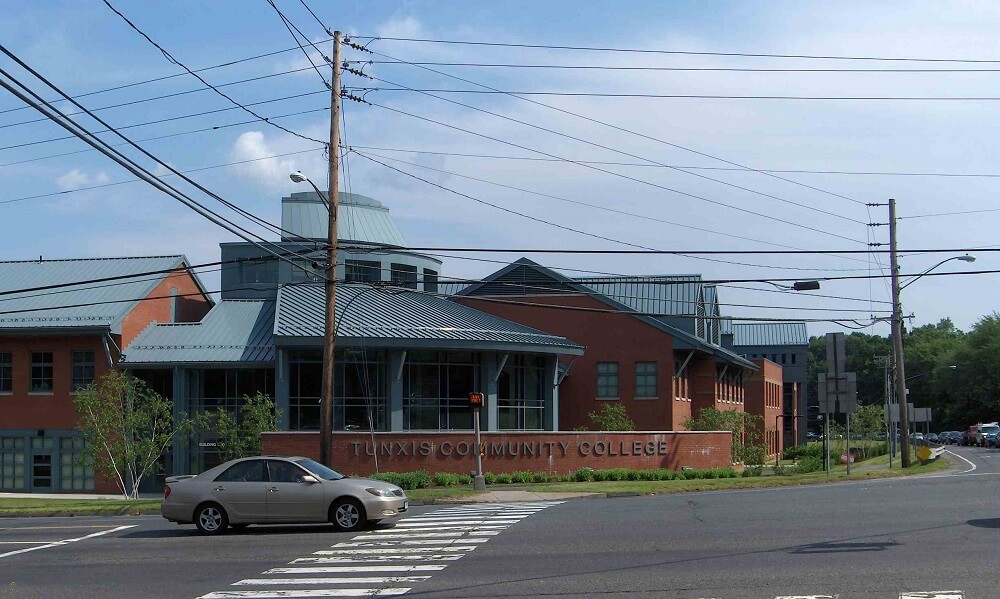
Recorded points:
(74, 496)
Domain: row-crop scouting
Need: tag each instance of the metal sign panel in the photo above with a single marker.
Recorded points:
(836, 353)
(893, 412)
(921, 415)
(837, 393)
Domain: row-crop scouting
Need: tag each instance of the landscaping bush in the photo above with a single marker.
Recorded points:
(583, 475)
(541, 477)
(446, 479)
(802, 451)
(405, 480)
(810, 464)
(522, 476)
(464, 479)
(753, 471)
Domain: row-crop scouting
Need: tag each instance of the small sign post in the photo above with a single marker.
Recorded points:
(476, 401)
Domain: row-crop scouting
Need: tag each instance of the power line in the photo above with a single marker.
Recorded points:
(169, 135)
(72, 126)
(289, 25)
(115, 183)
(671, 69)
(590, 205)
(324, 27)
(613, 173)
(687, 96)
(169, 57)
(554, 224)
(797, 252)
(163, 78)
(160, 121)
(936, 214)
(629, 154)
(623, 129)
(684, 166)
(161, 97)
(678, 52)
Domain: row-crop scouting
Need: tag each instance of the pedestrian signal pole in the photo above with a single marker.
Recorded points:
(476, 401)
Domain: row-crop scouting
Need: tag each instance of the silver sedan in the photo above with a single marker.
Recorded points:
(278, 490)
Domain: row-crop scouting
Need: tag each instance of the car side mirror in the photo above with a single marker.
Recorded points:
(308, 478)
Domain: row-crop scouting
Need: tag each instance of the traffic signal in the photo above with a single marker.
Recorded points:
(476, 400)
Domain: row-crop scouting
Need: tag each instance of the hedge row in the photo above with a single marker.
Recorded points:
(421, 478)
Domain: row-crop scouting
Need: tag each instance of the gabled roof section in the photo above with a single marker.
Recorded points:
(360, 220)
(770, 333)
(87, 305)
(403, 318)
(234, 331)
(532, 276)
(667, 295)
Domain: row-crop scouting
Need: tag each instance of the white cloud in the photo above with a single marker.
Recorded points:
(272, 173)
(75, 179)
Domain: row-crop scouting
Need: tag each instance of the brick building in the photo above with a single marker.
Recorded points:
(54, 341)
(764, 397)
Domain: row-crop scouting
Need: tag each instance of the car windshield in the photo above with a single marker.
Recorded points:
(989, 429)
(320, 470)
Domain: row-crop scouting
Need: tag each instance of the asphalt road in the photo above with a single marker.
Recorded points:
(873, 539)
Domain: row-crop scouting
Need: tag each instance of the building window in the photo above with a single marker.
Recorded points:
(783, 358)
(362, 271)
(436, 387)
(430, 280)
(360, 397)
(41, 372)
(793, 358)
(258, 270)
(521, 394)
(75, 474)
(83, 369)
(12, 463)
(404, 275)
(645, 379)
(6, 372)
(306, 271)
(607, 380)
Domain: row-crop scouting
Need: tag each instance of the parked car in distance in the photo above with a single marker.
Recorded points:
(969, 436)
(932, 438)
(950, 437)
(811, 436)
(990, 437)
(278, 490)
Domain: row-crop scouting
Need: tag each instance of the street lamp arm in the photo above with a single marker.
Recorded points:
(965, 258)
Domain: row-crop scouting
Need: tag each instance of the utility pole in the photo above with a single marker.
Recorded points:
(897, 342)
(333, 195)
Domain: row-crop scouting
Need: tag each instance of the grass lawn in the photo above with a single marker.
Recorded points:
(29, 506)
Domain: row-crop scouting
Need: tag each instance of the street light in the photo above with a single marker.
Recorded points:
(298, 177)
(798, 286)
(965, 258)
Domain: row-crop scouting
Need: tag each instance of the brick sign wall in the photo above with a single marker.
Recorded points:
(355, 453)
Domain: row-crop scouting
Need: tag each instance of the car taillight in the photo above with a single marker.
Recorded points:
(166, 492)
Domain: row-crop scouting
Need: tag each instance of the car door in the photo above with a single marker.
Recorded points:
(289, 498)
(242, 491)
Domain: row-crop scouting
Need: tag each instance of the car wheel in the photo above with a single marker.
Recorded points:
(348, 515)
(211, 519)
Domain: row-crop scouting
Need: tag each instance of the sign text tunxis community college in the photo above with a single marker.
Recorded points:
(510, 448)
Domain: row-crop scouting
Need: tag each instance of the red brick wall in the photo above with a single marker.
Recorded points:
(190, 308)
(54, 410)
(608, 337)
(552, 452)
(765, 397)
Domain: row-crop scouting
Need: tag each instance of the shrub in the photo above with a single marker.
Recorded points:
(810, 464)
(612, 417)
(405, 480)
(583, 475)
(446, 479)
(464, 479)
(541, 477)
(503, 478)
(522, 476)
(802, 451)
(753, 471)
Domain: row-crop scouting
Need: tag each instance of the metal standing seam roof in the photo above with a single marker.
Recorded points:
(769, 333)
(396, 316)
(361, 219)
(233, 331)
(649, 294)
(114, 299)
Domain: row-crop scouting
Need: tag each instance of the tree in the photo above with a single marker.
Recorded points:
(127, 428)
(867, 423)
(747, 447)
(239, 436)
(612, 417)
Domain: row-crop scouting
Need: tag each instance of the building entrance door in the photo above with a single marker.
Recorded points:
(41, 472)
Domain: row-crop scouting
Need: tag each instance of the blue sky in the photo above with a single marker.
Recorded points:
(82, 46)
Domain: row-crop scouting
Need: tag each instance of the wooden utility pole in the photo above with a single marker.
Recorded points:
(897, 343)
(333, 195)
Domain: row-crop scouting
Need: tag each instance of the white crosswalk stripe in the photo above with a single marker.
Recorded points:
(384, 562)
(933, 595)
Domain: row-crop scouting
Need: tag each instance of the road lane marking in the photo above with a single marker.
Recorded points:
(55, 527)
(392, 543)
(933, 595)
(391, 550)
(417, 535)
(404, 557)
(356, 569)
(27, 542)
(807, 597)
(347, 580)
(67, 541)
(280, 593)
(963, 459)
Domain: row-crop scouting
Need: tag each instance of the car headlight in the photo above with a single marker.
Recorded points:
(379, 492)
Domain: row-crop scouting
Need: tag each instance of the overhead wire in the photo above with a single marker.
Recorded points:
(520, 65)
(289, 25)
(170, 58)
(638, 157)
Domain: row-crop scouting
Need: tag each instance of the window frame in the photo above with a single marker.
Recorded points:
(6, 373)
(655, 374)
(617, 384)
(410, 270)
(75, 386)
(42, 365)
